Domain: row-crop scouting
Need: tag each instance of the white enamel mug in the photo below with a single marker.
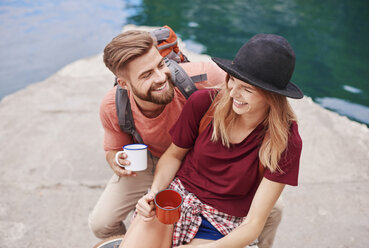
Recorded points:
(136, 154)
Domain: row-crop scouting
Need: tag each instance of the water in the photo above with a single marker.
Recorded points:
(329, 37)
(40, 37)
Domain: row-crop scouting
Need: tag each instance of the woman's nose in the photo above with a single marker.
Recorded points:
(233, 91)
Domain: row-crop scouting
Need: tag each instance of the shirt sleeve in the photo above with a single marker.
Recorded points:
(290, 160)
(114, 138)
(185, 131)
(216, 76)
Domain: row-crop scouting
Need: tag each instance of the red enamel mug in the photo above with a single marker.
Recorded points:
(168, 206)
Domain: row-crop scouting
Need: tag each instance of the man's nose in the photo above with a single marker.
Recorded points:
(160, 75)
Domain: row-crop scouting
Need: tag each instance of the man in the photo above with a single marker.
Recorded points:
(134, 59)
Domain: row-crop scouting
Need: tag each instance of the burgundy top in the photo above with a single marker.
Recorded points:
(226, 178)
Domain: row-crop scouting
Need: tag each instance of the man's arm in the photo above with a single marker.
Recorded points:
(114, 138)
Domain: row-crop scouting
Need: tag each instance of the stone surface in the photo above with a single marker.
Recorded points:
(53, 168)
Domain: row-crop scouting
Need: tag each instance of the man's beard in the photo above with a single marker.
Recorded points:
(163, 98)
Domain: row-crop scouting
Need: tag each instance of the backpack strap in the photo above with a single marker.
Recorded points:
(125, 118)
(208, 116)
(180, 78)
(199, 78)
(207, 119)
(261, 171)
(124, 113)
(167, 46)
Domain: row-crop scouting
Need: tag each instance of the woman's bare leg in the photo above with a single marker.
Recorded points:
(151, 234)
(200, 241)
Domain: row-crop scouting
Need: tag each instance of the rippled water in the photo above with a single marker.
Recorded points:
(329, 37)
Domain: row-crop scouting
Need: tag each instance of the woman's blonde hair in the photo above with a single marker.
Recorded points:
(276, 125)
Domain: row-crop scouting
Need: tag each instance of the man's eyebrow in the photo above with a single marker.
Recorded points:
(149, 70)
(143, 73)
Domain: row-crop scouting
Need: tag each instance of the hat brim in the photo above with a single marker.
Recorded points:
(291, 89)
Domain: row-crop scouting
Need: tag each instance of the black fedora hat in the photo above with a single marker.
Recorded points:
(266, 61)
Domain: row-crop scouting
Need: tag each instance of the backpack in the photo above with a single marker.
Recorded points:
(168, 44)
(186, 84)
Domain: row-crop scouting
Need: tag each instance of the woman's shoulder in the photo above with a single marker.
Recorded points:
(198, 103)
(202, 97)
(294, 139)
(204, 92)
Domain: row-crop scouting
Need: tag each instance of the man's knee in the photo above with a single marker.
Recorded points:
(276, 214)
(103, 226)
(266, 238)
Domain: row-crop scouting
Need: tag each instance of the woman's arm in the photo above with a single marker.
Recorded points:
(166, 169)
(145, 224)
(265, 198)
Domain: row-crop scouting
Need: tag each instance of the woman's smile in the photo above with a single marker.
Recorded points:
(239, 104)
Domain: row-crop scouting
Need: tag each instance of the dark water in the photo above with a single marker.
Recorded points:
(329, 37)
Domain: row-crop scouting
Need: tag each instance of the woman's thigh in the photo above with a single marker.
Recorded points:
(199, 241)
(148, 234)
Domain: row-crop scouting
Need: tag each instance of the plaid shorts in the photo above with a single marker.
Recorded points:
(187, 226)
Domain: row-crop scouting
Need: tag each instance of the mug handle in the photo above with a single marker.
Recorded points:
(116, 159)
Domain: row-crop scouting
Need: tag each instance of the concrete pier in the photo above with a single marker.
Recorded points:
(53, 169)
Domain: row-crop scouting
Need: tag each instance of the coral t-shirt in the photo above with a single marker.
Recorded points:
(227, 178)
(154, 131)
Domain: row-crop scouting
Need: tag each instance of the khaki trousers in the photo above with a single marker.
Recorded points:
(120, 198)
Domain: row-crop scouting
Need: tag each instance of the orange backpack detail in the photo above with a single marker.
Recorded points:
(168, 44)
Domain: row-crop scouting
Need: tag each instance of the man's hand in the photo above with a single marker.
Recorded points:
(119, 171)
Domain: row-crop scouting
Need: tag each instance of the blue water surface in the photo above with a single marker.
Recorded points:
(329, 37)
(40, 37)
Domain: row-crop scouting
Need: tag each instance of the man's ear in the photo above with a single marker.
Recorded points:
(122, 82)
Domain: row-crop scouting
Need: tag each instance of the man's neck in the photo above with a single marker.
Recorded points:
(149, 109)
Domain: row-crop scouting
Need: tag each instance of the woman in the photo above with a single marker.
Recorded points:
(216, 170)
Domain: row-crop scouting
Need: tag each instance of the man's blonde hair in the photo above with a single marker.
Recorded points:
(126, 47)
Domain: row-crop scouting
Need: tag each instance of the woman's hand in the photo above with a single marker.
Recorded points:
(146, 207)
